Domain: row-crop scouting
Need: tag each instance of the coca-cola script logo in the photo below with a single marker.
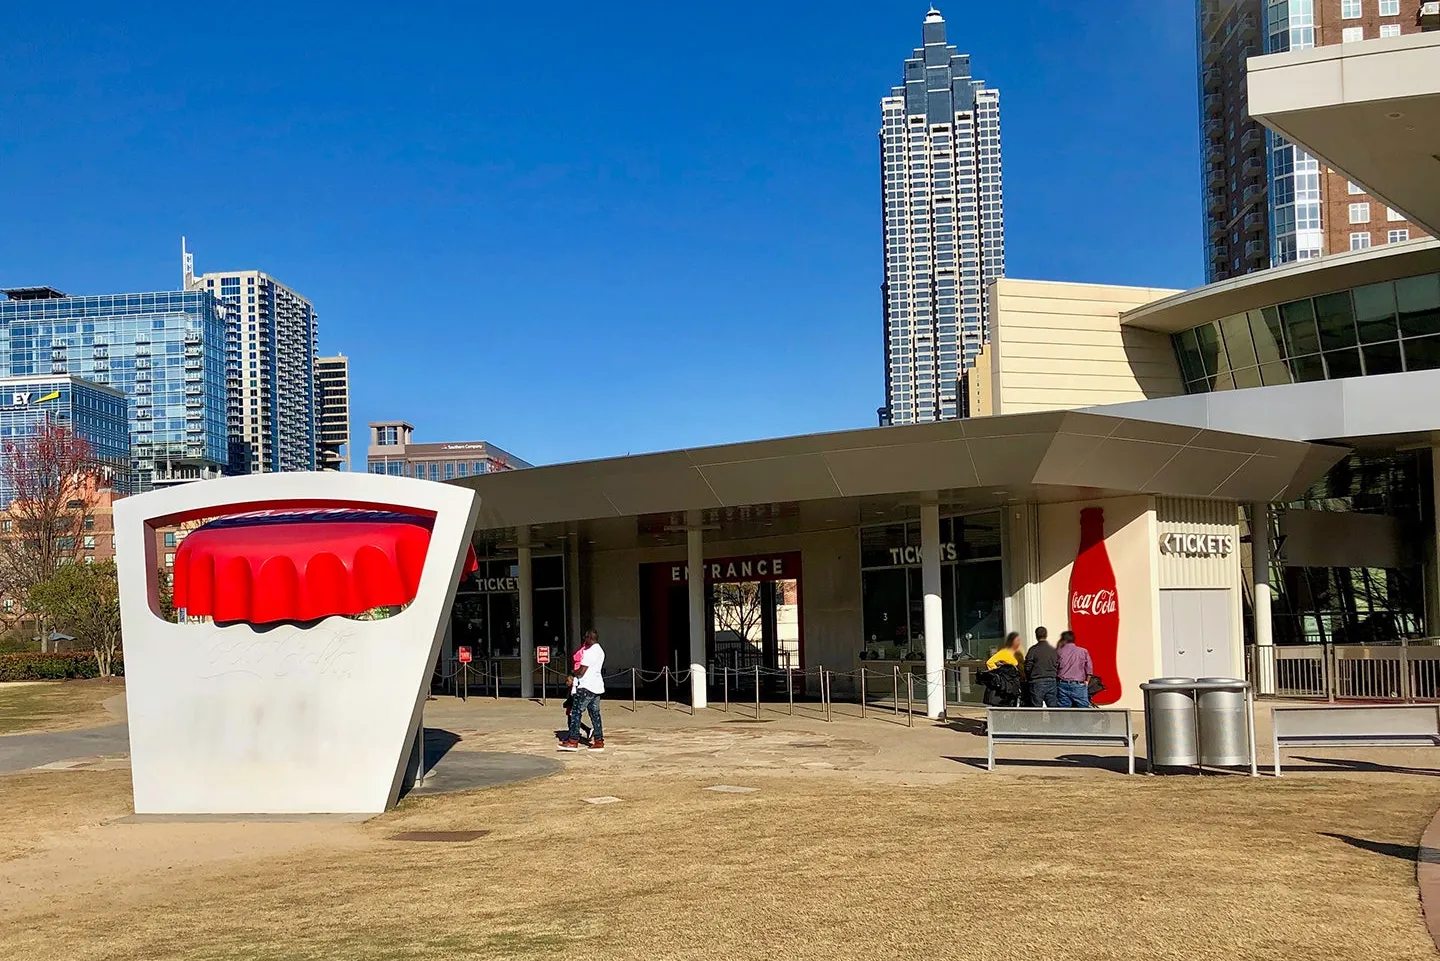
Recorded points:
(1096, 602)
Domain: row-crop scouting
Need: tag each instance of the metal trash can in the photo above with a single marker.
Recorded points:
(1224, 726)
(1170, 722)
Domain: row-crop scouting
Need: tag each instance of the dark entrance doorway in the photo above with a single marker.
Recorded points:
(753, 614)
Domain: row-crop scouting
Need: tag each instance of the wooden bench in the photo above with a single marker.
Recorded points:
(1059, 725)
(1397, 725)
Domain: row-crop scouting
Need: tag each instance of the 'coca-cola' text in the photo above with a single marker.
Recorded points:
(1096, 602)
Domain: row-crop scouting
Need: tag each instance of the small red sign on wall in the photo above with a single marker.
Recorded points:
(462, 654)
(542, 655)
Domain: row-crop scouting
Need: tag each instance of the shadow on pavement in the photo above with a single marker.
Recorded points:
(1117, 765)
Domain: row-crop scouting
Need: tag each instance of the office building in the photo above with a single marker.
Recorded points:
(165, 352)
(92, 412)
(943, 225)
(394, 451)
(1266, 200)
(272, 384)
(332, 383)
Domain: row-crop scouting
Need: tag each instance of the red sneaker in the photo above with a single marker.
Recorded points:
(598, 744)
(569, 746)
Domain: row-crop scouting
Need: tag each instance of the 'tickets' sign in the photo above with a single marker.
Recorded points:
(731, 570)
(1197, 545)
(1095, 603)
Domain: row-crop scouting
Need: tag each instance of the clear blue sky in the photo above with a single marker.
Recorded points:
(576, 229)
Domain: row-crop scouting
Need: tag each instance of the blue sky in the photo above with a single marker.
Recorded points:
(576, 229)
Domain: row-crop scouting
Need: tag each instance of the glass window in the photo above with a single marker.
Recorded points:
(1422, 353)
(1360, 213)
(1392, 215)
(1399, 236)
(1299, 319)
(1336, 321)
(1375, 313)
(1390, 8)
(1418, 302)
(1382, 358)
(1238, 346)
(1267, 335)
(1343, 363)
(1350, 9)
(1360, 241)
(169, 538)
(1389, 29)
(1352, 35)
(1307, 368)
(1208, 342)
(1353, 187)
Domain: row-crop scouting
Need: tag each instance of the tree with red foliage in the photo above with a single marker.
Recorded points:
(52, 479)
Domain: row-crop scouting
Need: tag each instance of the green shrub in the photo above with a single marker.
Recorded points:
(34, 666)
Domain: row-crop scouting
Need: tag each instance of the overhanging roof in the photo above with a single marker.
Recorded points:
(1034, 456)
(1293, 281)
(1370, 109)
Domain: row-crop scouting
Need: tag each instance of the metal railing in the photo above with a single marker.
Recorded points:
(1407, 671)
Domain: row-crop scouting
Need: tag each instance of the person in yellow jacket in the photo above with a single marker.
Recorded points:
(1009, 654)
(1010, 659)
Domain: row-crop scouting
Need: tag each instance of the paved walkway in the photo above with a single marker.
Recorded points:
(21, 752)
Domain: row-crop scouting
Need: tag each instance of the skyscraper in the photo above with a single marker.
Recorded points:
(1268, 202)
(273, 344)
(332, 381)
(165, 351)
(944, 227)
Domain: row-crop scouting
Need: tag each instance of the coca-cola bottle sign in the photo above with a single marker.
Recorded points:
(1095, 603)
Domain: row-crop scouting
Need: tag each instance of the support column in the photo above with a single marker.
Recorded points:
(1432, 609)
(934, 610)
(695, 588)
(1264, 626)
(527, 619)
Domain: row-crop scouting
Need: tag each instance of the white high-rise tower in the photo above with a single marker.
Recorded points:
(944, 228)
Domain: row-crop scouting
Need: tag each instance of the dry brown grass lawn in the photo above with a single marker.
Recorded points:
(56, 705)
(990, 867)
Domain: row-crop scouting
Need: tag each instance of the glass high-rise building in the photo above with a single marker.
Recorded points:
(1266, 201)
(944, 220)
(164, 351)
(93, 412)
(332, 383)
(274, 339)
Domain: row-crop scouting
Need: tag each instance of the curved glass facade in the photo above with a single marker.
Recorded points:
(1382, 328)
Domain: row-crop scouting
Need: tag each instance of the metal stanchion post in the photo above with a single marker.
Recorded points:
(910, 699)
(757, 692)
(725, 683)
(862, 692)
(790, 688)
(632, 691)
(544, 669)
(666, 672)
(1331, 680)
(497, 680)
(826, 677)
(1405, 692)
(465, 680)
(895, 692)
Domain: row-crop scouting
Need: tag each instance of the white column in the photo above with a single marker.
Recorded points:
(934, 611)
(527, 623)
(695, 586)
(1264, 633)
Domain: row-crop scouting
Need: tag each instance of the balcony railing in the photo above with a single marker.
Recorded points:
(1406, 671)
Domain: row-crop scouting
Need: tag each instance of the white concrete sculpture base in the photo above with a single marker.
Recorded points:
(283, 719)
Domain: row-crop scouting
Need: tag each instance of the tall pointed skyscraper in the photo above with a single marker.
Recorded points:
(944, 228)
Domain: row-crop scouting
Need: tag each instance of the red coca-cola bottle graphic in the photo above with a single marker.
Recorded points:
(1094, 603)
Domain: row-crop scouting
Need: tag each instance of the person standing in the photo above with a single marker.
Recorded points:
(589, 685)
(1042, 670)
(1007, 668)
(1074, 672)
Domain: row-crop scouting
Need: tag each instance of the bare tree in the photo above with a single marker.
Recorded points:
(52, 480)
(739, 609)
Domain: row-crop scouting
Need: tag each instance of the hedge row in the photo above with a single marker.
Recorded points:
(34, 666)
